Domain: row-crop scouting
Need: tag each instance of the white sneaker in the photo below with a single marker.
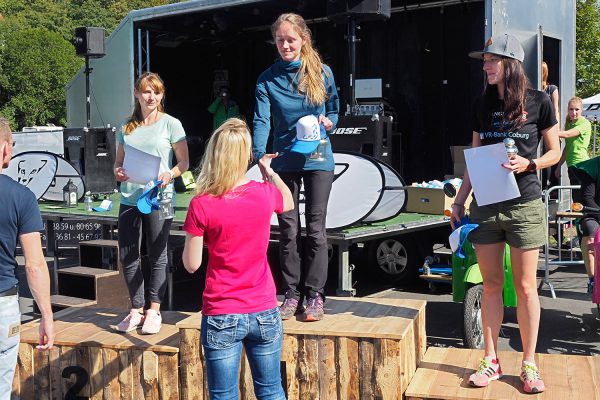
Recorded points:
(152, 323)
(134, 319)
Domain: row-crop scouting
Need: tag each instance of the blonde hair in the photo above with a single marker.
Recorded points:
(311, 82)
(544, 75)
(576, 100)
(147, 79)
(5, 131)
(226, 158)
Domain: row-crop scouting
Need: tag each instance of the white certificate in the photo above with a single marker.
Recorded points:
(492, 183)
(139, 166)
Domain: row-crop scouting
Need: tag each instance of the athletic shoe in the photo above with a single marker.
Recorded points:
(152, 323)
(530, 376)
(489, 370)
(314, 309)
(134, 319)
(289, 308)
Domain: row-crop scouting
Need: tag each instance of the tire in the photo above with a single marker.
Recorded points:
(395, 259)
(472, 326)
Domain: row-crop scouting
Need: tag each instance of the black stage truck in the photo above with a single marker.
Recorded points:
(412, 102)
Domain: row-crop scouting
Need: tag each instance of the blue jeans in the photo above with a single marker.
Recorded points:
(261, 334)
(10, 316)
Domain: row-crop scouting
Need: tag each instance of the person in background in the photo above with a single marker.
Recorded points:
(577, 134)
(223, 108)
(232, 216)
(509, 108)
(549, 176)
(298, 85)
(551, 90)
(21, 222)
(152, 131)
(588, 176)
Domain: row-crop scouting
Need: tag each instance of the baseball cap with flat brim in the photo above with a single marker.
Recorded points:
(504, 45)
(148, 201)
(308, 135)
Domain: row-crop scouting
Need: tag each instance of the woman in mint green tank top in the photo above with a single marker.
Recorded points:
(151, 130)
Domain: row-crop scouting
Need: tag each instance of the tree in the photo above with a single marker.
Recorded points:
(37, 57)
(588, 48)
(35, 66)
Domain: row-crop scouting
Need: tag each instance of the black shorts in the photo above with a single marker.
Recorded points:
(589, 226)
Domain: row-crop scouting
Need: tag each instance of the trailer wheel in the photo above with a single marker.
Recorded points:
(396, 259)
(472, 326)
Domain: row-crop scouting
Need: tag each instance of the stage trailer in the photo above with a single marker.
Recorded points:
(419, 53)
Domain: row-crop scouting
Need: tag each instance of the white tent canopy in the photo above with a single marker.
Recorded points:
(591, 108)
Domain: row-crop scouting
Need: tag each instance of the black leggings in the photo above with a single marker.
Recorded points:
(304, 268)
(156, 231)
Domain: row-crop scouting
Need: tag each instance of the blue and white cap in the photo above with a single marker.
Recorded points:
(308, 135)
(148, 201)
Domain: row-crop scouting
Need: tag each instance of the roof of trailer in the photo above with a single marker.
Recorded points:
(185, 7)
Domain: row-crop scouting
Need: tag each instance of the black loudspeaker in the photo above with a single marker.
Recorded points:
(92, 153)
(340, 10)
(364, 134)
(89, 42)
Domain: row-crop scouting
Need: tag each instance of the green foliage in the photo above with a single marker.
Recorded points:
(37, 58)
(588, 48)
(35, 65)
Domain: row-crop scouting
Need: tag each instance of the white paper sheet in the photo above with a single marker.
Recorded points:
(140, 166)
(491, 182)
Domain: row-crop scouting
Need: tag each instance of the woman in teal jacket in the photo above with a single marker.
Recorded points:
(297, 85)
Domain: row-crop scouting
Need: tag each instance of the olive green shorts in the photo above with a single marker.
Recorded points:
(521, 225)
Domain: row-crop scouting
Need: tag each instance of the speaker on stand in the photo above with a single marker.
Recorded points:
(89, 43)
(340, 10)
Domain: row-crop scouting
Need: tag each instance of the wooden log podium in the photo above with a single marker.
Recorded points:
(363, 348)
(91, 360)
(444, 374)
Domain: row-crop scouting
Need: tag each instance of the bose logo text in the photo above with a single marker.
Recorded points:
(349, 131)
(73, 139)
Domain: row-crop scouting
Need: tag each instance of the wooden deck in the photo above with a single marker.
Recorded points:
(363, 348)
(117, 365)
(443, 374)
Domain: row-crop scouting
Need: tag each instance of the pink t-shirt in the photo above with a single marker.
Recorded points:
(236, 229)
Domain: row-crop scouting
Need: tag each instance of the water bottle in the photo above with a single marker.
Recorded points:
(88, 201)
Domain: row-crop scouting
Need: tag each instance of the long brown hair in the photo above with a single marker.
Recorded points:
(311, 82)
(226, 159)
(516, 84)
(147, 79)
(544, 75)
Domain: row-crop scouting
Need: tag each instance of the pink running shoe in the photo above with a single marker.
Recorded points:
(530, 376)
(152, 323)
(489, 370)
(131, 321)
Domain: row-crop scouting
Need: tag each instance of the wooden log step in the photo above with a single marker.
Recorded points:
(100, 243)
(437, 278)
(88, 272)
(63, 301)
(444, 372)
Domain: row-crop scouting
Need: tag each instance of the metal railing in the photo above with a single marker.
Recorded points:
(560, 219)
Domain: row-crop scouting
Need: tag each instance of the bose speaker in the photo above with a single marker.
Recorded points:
(340, 10)
(89, 42)
(91, 151)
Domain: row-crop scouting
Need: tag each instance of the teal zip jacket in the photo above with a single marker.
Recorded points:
(277, 100)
